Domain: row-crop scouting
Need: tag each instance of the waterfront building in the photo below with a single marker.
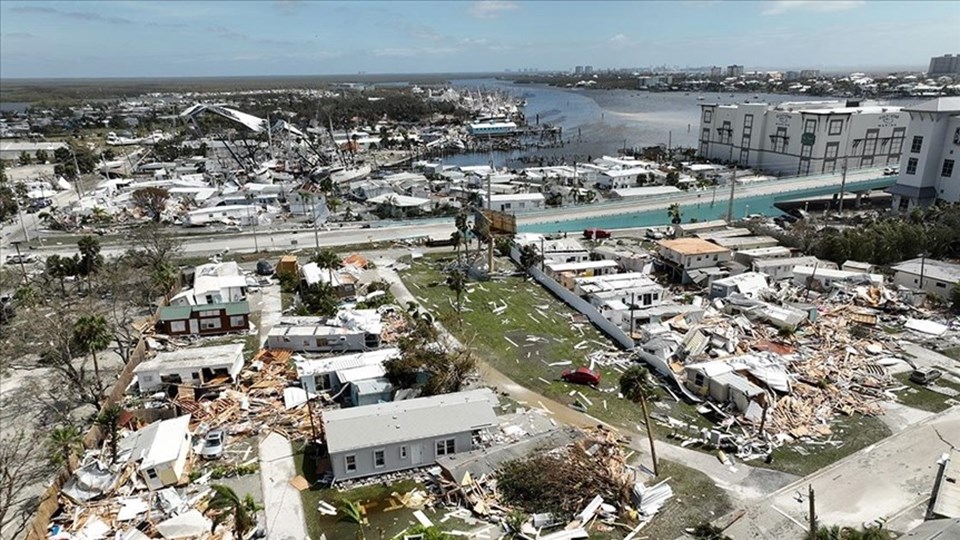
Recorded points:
(797, 138)
(928, 168)
(734, 71)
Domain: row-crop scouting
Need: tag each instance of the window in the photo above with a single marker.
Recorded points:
(835, 127)
(917, 144)
(350, 462)
(195, 375)
(446, 447)
(707, 116)
(698, 379)
(896, 145)
(706, 134)
(912, 166)
(780, 140)
(213, 313)
(209, 324)
(178, 326)
(152, 474)
(941, 285)
(378, 460)
(831, 150)
(748, 121)
(403, 452)
(870, 143)
(744, 156)
(810, 126)
(726, 133)
(236, 321)
(947, 170)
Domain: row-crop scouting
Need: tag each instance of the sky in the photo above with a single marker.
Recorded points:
(140, 38)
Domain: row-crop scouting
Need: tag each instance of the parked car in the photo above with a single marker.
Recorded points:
(213, 444)
(925, 376)
(581, 376)
(598, 234)
(890, 171)
(264, 268)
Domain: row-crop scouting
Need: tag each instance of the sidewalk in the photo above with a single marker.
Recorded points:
(283, 507)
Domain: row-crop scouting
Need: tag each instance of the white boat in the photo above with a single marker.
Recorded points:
(342, 175)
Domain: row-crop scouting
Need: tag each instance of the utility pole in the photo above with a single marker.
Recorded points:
(542, 258)
(733, 188)
(633, 306)
(16, 244)
(489, 222)
(313, 210)
(76, 167)
(813, 512)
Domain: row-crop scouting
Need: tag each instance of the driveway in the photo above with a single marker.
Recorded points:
(283, 507)
(884, 481)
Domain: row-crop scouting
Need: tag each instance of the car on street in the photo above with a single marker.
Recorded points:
(891, 171)
(925, 376)
(213, 444)
(264, 268)
(596, 234)
(581, 376)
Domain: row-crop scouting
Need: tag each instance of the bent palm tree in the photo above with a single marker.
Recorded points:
(226, 503)
(352, 512)
(458, 283)
(635, 385)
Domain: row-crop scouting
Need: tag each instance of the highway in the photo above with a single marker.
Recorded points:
(269, 239)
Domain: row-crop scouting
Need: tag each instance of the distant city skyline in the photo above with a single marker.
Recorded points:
(299, 37)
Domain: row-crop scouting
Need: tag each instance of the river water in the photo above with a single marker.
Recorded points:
(601, 122)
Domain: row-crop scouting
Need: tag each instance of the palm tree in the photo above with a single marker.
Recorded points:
(675, 214)
(109, 422)
(352, 512)
(92, 334)
(461, 224)
(458, 282)
(226, 504)
(327, 258)
(635, 385)
(455, 238)
(64, 442)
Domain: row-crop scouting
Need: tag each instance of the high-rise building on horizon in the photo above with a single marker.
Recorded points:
(734, 71)
(948, 64)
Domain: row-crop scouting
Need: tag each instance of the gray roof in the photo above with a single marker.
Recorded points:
(944, 104)
(219, 355)
(936, 529)
(409, 420)
(488, 460)
(932, 269)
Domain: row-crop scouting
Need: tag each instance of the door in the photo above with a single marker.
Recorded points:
(416, 454)
(194, 326)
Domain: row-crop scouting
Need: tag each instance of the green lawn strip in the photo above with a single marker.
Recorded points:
(921, 397)
(952, 353)
(696, 499)
(856, 432)
(532, 311)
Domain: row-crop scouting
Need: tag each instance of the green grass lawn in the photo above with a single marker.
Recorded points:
(696, 499)
(922, 397)
(374, 497)
(952, 353)
(856, 432)
(535, 330)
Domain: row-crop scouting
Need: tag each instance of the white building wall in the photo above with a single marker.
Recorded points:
(762, 137)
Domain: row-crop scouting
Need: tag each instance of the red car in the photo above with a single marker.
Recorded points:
(598, 234)
(581, 376)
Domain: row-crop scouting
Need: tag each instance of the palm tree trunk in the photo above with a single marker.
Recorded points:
(96, 372)
(653, 450)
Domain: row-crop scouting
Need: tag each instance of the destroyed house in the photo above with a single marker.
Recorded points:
(781, 269)
(206, 366)
(204, 320)
(378, 439)
(719, 381)
(161, 450)
(332, 373)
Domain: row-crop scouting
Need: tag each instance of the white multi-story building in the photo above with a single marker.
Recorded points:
(797, 138)
(948, 64)
(928, 168)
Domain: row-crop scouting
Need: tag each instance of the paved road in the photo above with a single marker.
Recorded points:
(881, 481)
(283, 507)
(273, 240)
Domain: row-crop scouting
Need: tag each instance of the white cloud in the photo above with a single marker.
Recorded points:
(491, 9)
(620, 39)
(778, 7)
